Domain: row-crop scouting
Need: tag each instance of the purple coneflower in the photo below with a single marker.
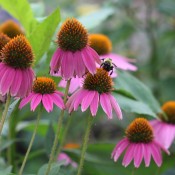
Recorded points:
(74, 56)
(44, 91)
(139, 144)
(164, 128)
(16, 74)
(96, 90)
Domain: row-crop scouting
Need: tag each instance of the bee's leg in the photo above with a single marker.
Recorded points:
(111, 72)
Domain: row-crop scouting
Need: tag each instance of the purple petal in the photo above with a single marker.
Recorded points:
(47, 102)
(56, 60)
(155, 151)
(147, 154)
(94, 54)
(129, 155)
(120, 147)
(58, 100)
(116, 106)
(24, 101)
(79, 65)
(106, 105)
(88, 61)
(16, 83)
(94, 104)
(7, 80)
(36, 99)
(139, 155)
(87, 99)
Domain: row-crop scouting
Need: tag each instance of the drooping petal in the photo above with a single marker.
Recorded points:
(79, 65)
(147, 154)
(94, 54)
(36, 99)
(78, 98)
(120, 147)
(87, 100)
(139, 155)
(58, 100)
(155, 151)
(106, 105)
(56, 60)
(25, 100)
(68, 65)
(47, 102)
(129, 155)
(116, 107)
(16, 83)
(94, 104)
(7, 80)
(88, 61)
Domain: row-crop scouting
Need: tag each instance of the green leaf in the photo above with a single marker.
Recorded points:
(21, 10)
(135, 106)
(93, 19)
(41, 36)
(55, 168)
(135, 87)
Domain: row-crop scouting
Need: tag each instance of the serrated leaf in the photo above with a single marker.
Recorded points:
(21, 10)
(41, 36)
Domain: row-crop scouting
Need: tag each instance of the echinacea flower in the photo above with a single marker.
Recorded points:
(74, 56)
(44, 91)
(68, 161)
(11, 29)
(96, 90)
(164, 128)
(103, 46)
(16, 74)
(4, 39)
(139, 144)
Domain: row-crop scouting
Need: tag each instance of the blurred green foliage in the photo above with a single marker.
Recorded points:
(144, 30)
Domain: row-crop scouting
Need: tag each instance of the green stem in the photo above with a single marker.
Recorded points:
(64, 135)
(85, 144)
(5, 113)
(11, 150)
(31, 141)
(59, 124)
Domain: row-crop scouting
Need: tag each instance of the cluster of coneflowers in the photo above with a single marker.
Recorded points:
(78, 60)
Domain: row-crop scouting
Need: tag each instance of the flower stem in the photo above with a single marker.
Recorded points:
(5, 113)
(31, 141)
(85, 144)
(60, 120)
(64, 135)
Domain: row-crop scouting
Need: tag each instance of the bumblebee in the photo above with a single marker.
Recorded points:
(108, 65)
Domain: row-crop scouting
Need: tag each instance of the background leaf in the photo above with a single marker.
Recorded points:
(41, 36)
(21, 10)
(95, 18)
(135, 87)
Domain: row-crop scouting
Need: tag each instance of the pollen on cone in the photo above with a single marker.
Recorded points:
(100, 43)
(140, 131)
(18, 53)
(72, 35)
